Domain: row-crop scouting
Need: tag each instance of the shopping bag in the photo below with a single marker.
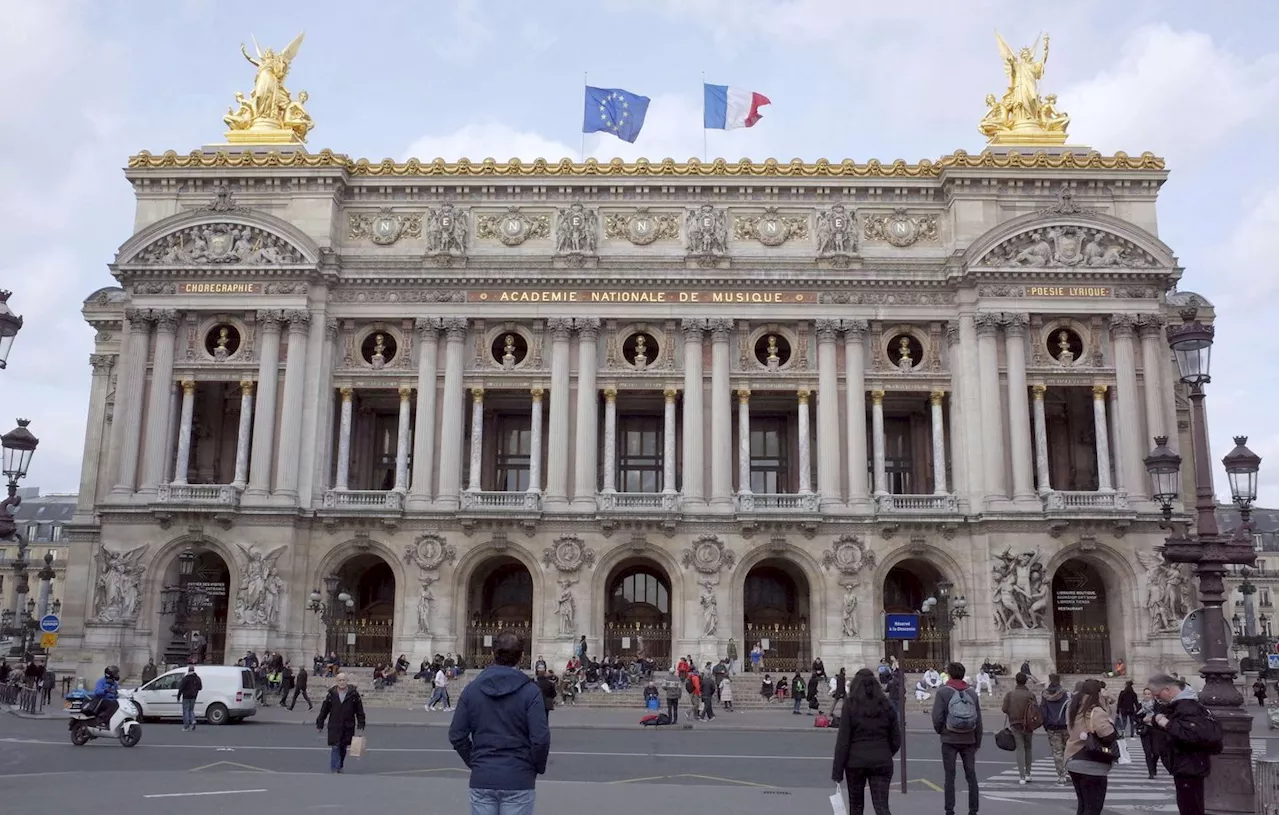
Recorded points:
(1125, 758)
(356, 750)
(838, 806)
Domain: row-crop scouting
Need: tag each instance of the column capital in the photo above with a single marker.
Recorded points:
(270, 320)
(1123, 325)
(331, 326)
(669, 394)
(877, 397)
(102, 363)
(744, 396)
(610, 394)
(188, 387)
(140, 317)
(246, 387)
(952, 332)
(299, 320)
(1099, 391)
(855, 330)
(721, 328)
(454, 327)
(826, 328)
(693, 328)
(405, 392)
(935, 397)
(477, 395)
(987, 323)
(1037, 392)
(346, 393)
(560, 327)
(427, 327)
(802, 395)
(536, 394)
(588, 327)
(166, 319)
(1151, 325)
(1015, 323)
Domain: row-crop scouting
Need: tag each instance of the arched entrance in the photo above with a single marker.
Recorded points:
(196, 605)
(906, 587)
(499, 596)
(637, 612)
(775, 613)
(361, 633)
(1081, 630)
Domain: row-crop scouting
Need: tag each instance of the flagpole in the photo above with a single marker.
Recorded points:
(704, 116)
(582, 149)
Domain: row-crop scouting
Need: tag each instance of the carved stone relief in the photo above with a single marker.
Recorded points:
(261, 587)
(1021, 591)
(385, 226)
(225, 244)
(1067, 246)
(569, 554)
(513, 227)
(642, 227)
(899, 228)
(849, 555)
(770, 228)
(117, 592)
(708, 556)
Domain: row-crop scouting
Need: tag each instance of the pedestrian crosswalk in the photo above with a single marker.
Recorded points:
(1128, 787)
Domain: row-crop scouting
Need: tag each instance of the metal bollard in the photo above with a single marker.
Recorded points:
(1265, 785)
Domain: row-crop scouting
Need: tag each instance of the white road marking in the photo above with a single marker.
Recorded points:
(193, 794)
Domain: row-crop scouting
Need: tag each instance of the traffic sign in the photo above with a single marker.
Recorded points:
(1193, 632)
(50, 623)
(901, 626)
(1273, 662)
(48, 640)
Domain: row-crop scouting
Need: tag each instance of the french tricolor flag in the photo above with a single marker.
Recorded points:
(726, 108)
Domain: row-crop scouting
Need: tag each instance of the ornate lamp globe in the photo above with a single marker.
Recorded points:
(1163, 466)
(1242, 466)
(19, 446)
(331, 585)
(314, 597)
(1191, 343)
(944, 588)
(186, 562)
(9, 325)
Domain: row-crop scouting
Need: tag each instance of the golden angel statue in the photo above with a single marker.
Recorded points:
(270, 115)
(1020, 116)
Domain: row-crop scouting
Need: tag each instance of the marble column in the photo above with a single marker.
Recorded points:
(477, 439)
(955, 417)
(1132, 447)
(402, 440)
(342, 480)
(126, 415)
(1015, 360)
(326, 417)
(557, 495)
(828, 413)
(156, 439)
(939, 443)
(317, 385)
(802, 429)
(586, 470)
(535, 440)
(669, 440)
(721, 417)
(989, 397)
(879, 480)
(91, 477)
(610, 440)
(264, 421)
(744, 441)
(451, 414)
(424, 436)
(243, 433)
(173, 423)
(1042, 440)
(693, 493)
(295, 371)
(183, 462)
(966, 389)
(1151, 330)
(1113, 428)
(1100, 437)
(855, 385)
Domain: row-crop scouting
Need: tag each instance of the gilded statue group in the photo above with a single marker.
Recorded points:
(1021, 110)
(270, 106)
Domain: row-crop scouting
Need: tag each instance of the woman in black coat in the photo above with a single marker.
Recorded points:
(345, 712)
(869, 738)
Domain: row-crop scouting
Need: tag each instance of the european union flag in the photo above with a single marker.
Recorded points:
(615, 111)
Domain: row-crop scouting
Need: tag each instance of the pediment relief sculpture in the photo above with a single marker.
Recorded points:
(220, 244)
(1067, 246)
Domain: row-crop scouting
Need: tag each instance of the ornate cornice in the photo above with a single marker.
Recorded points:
(796, 168)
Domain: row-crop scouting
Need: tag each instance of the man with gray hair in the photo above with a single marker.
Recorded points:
(1191, 734)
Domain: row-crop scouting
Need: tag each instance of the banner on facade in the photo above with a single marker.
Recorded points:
(901, 626)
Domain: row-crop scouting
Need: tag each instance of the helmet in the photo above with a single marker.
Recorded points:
(112, 672)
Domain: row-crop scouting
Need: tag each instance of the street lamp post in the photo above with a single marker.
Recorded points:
(327, 606)
(178, 603)
(19, 445)
(1229, 786)
(10, 323)
(948, 612)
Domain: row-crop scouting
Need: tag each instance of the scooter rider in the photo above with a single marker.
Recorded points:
(107, 690)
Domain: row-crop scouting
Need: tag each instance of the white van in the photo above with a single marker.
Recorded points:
(226, 694)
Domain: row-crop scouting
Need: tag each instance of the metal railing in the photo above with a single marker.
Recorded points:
(367, 500)
(634, 640)
(495, 501)
(638, 502)
(1266, 782)
(28, 700)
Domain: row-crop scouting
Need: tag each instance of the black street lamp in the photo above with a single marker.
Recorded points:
(334, 604)
(178, 601)
(1229, 786)
(19, 445)
(10, 323)
(948, 611)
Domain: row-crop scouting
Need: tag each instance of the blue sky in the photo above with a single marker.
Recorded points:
(96, 82)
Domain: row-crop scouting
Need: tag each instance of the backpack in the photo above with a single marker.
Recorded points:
(962, 712)
(822, 720)
(1057, 717)
(650, 720)
(1212, 733)
(688, 685)
(663, 718)
(1032, 718)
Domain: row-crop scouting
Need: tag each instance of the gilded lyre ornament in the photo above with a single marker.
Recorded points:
(1021, 116)
(270, 115)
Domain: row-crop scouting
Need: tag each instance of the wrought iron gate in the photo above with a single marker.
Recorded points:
(479, 642)
(789, 647)
(1082, 649)
(931, 649)
(634, 640)
(361, 643)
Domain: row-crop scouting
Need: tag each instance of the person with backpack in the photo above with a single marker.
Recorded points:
(1053, 710)
(1191, 734)
(693, 685)
(957, 719)
(1088, 728)
(869, 738)
(1023, 714)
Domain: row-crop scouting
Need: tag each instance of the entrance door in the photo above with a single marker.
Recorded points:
(638, 613)
(775, 614)
(500, 597)
(1081, 639)
(906, 587)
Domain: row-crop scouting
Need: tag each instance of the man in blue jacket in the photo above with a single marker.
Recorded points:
(500, 730)
(106, 691)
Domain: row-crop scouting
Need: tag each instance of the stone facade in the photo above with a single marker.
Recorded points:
(656, 405)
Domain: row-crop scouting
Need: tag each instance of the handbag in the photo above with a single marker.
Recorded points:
(1099, 750)
(1005, 740)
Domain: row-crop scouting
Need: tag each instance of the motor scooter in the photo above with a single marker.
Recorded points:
(124, 725)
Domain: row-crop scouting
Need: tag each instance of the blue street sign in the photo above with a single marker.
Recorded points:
(50, 623)
(901, 626)
(1273, 662)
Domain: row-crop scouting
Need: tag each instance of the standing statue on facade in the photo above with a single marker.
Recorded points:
(576, 230)
(117, 594)
(1021, 593)
(255, 604)
(425, 600)
(1021, 116)
(1166, 600)
(707, 231)
(710, 612)
(270, 108)
(565, 608)
(849, 618)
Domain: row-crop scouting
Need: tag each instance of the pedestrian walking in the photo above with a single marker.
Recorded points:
(1053, 709)
(46, 685)
(500, 732)
(189, 688)
(731, 651)
(868, 740)
(300, 689)
(1191, 734)
(672, 689)
(439, 692)
(286, 683)
(1017, 707)
(345, 711)
(957, 719)
(1127, 710)
(1152, 739)
(838, 691)
(547, 685)
(1259, 692)
(1087, 717)
(726, 693)
(707, 688)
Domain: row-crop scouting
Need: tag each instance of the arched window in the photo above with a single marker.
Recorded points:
(639, 592)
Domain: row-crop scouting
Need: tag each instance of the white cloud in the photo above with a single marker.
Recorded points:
(489, 140)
